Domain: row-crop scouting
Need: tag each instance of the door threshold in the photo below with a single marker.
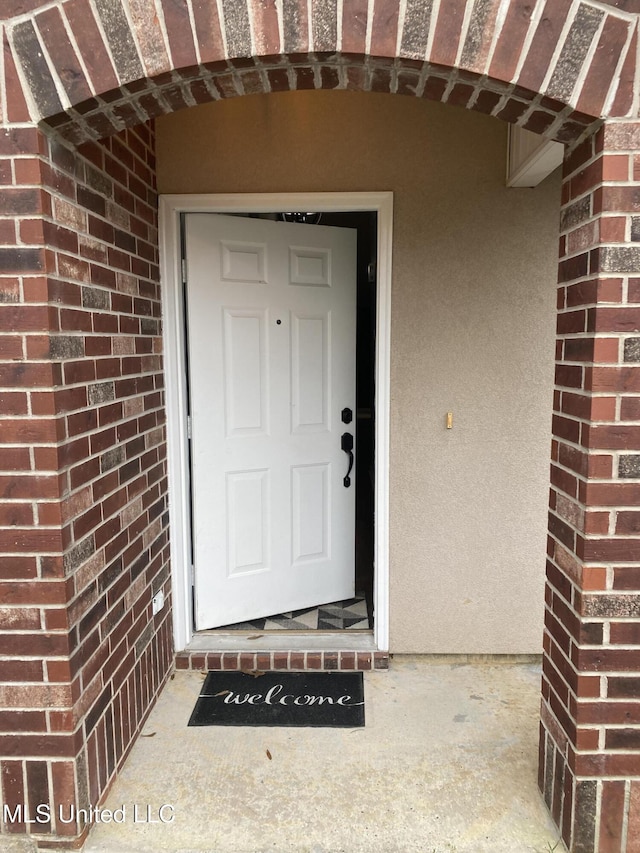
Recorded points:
(282, 641)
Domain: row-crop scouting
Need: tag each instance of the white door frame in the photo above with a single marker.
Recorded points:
(170, 209)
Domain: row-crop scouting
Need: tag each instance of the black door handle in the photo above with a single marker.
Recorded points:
(347, 446)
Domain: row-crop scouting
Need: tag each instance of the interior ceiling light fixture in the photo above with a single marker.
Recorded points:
(298, 216)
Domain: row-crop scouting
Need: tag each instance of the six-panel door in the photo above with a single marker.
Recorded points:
(271, 315)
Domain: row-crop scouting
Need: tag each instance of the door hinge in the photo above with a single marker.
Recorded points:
(184, 270)
(189, 427)
(192, 575)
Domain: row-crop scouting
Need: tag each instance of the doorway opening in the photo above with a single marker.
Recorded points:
(369, 215)
(355, 613)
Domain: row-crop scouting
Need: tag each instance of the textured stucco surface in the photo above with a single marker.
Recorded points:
(473, 301)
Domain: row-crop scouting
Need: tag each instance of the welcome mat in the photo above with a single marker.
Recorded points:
(280, 699)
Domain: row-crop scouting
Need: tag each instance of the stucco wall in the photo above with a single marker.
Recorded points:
(474, 269)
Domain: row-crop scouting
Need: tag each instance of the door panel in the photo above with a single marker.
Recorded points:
(311, 390)
(311, 513)
(247, 509)
(272, 330)
(310, 267)
(245, 371)
(243, 262)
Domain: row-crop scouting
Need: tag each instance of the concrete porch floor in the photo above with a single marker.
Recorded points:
(445, 764)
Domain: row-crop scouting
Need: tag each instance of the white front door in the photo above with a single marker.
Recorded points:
(271, 315)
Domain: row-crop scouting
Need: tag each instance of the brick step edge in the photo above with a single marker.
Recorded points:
(274, 661)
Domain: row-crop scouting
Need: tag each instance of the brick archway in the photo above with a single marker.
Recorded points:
(93, 70)
(84, 525)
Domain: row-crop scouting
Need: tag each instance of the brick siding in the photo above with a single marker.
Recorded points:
(590, 735)
(294, 661)
(83, 503)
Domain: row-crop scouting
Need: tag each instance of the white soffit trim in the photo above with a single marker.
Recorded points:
(530, 157)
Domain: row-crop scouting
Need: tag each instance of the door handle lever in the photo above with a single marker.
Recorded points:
(347, 446)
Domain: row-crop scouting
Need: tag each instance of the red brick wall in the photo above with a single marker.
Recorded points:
(82, 488)
(590, 744)
(83, 500)
(510, 63)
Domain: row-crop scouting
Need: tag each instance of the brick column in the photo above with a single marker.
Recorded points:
(83, 489)
(35, 689)
(590, 731)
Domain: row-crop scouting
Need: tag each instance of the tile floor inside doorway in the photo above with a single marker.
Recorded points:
(351, 614)
(446, 763)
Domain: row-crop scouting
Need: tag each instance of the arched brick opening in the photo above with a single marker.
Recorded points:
(146, 99)
(84, 530)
